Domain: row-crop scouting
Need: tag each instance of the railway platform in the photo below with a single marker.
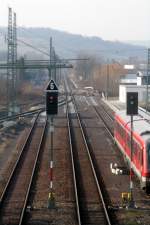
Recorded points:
(116, 105)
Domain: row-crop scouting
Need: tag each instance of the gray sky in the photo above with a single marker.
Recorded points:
(109, 19)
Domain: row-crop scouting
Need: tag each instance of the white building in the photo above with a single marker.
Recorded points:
(134, 83)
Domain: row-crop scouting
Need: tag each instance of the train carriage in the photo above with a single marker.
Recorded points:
(141, 144)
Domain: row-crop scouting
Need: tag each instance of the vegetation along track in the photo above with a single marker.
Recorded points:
(13, 201)
(90, 204)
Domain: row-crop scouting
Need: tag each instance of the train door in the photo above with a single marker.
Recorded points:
(141, 156)
(138, 156)
(141, 163)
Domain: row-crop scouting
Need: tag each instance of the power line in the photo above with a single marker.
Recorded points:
(27, 44)
(29, 32)
(33, 47)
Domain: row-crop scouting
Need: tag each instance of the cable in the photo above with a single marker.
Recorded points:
(27, 44)
(33, 47)
(26, 31)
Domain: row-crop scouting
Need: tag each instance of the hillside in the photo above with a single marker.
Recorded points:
(70, 45)
(145, 43)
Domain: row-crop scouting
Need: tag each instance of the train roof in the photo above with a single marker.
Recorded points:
(141, 123)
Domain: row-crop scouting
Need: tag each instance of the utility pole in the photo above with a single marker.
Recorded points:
(9, 57)
(147, 79)
(107, 80)
(50, 56)
(54, 59)
(11, 60)
(15, 58)
(55, 74)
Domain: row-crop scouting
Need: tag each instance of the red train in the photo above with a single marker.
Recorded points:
(141, 144)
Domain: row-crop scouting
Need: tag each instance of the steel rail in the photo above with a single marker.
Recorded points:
(72, 162)
(92, 165)
(110, 117)
(104, 122)
(15, 166)
(33, 173)
(12, 175)
(72, 158)
(27, 113)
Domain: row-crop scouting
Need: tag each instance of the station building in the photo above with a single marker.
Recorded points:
(135, 82)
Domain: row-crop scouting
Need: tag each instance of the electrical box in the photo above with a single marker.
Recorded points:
(132, 103)
(51, 98)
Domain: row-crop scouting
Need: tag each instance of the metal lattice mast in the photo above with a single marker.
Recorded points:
(10, 57)
(15, 37)
(14, 57)
(148, 65)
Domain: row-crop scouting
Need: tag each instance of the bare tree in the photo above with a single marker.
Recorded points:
(85, 68)
(106, 78)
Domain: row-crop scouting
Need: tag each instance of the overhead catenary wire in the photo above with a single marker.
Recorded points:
(27, 44)
(25, 30)
(41, 51)
(33, 47)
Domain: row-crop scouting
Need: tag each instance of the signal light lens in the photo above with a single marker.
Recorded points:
(51, 98)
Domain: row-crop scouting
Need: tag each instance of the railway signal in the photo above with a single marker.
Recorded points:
(51, 110)
(52, 98)
(132, 103)
(132, 109)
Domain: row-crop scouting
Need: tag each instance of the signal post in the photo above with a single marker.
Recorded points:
(51, 110)
(132, 109)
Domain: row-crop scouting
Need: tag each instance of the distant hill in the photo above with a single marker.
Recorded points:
(145, 43)
(69, 45)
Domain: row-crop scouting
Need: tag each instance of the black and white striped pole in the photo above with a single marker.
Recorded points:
(51, 110)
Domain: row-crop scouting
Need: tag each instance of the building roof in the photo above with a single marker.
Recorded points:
(129, 79)
(129, 76)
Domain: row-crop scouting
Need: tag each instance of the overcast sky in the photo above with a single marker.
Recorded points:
(109, 19)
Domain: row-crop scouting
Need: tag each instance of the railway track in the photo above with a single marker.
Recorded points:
(106, 117)
(13, 201)
(90, 204)
(27, 113)
(108, 110)
(104, 156)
